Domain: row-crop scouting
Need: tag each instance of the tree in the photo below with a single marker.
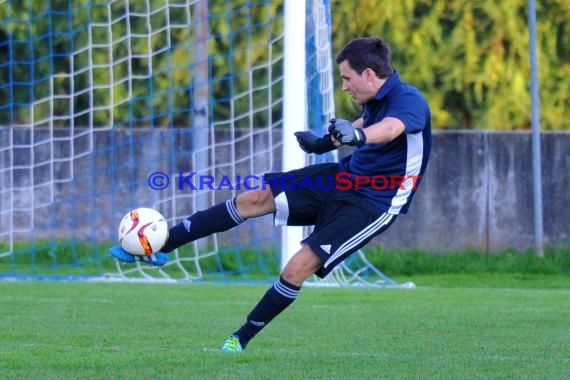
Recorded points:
(470, 58)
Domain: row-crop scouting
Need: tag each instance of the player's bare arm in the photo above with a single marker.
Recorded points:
(384, 131)
(352, 134)
(358, 123)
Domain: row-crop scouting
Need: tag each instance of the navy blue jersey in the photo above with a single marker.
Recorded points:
(394, 169)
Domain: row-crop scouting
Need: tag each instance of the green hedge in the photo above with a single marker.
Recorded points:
(471, 58)
(556, 261)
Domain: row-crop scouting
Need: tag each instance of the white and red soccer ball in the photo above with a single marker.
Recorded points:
(143, 231)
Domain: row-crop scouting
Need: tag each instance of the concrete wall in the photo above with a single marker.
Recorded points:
(477, 192)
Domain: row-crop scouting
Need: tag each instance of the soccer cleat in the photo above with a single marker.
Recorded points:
(232, 344)
(157, 259)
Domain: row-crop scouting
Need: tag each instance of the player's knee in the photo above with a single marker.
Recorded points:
(254, 198)
(292, 277)
(255, 202)
(296, 275)
(301, 266)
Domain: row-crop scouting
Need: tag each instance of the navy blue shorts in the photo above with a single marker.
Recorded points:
(344, 221)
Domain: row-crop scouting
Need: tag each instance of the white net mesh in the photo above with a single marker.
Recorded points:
(108, 100)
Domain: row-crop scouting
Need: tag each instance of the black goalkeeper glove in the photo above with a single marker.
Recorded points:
(311, 143)
(346, 133)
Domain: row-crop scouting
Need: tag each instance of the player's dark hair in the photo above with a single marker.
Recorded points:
(367, 52)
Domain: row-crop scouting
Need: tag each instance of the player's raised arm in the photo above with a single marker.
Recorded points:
(348, 133)
(384, 131)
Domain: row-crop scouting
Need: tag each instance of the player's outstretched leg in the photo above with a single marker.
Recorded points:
(220, 217)
(157, 259)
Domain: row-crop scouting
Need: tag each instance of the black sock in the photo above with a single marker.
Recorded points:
(218, 218)
(275, 300)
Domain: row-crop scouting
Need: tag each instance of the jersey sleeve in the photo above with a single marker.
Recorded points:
(411, 109)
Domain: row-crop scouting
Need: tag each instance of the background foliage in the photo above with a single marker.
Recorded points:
(469, 57)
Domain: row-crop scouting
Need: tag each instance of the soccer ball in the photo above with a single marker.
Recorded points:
(143, 231)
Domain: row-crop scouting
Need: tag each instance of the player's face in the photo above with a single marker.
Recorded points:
(359, 86)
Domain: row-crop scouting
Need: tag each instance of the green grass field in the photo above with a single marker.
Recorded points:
(449, 327)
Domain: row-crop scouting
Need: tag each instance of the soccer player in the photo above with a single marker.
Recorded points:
(392, 142)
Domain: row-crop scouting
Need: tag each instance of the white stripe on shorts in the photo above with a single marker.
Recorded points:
(282, 210)
(357, 239)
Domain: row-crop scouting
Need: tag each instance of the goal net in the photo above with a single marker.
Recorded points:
(108, 105)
